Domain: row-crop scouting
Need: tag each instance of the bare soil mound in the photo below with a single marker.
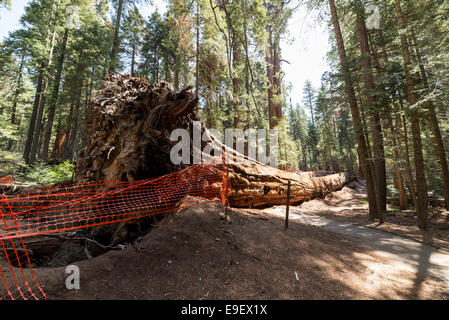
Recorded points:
(197, 254)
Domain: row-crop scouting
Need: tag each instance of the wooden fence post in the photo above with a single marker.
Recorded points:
(287, 209)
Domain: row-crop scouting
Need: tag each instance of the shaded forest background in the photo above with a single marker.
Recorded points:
(381, 110)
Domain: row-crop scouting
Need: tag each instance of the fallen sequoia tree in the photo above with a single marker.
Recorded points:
(128, 126)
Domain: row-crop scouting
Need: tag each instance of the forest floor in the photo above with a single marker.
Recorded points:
(350, 205)
(197, 254)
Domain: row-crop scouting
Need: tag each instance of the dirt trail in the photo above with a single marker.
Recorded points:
(413, 256)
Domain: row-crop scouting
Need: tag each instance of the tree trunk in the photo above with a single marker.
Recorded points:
(395, 131)
(37, 131)
(74, 129)
(277, 77)
(32, 125)
(39, 124)
(421, 185)
(402, 122)
(269, 61)
(435, 128)
(247, 71)
(16, 97)
(54, 97)
(358, 129)
(365, 126)
(399, 182)
(236, 81)
(116, 40)
(197, 54)
(254, 185)
(133, 58)
(61, 145)
(176, 80)
(156, 69)
(375, 124)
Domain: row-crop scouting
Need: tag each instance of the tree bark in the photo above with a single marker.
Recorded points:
(116, 40)
(16, 96)
(197, 54)
(176, 77)
(395, 130)
(277, 77)
(421, 185)
(269, 61)
(46, 62)
(236, 80)
(37, 131)
(54, 97)
(39, 124)
(435, 128)
(399, 181)
(32, 125)
(402, 121)
(133, 58)
(375, 124)
(364, 117)
(76, 120)
(358, 129)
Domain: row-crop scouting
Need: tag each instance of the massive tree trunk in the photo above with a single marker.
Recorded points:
(44, 68)
(364, 161)
(136, 120)
(254, 185)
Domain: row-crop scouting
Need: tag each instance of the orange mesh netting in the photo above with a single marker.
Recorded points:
(58, 209)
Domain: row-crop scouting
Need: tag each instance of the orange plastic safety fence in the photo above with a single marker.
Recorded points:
(17, 275)
(71, 207)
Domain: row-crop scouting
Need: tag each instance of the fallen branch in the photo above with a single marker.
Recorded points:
(72, 238)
